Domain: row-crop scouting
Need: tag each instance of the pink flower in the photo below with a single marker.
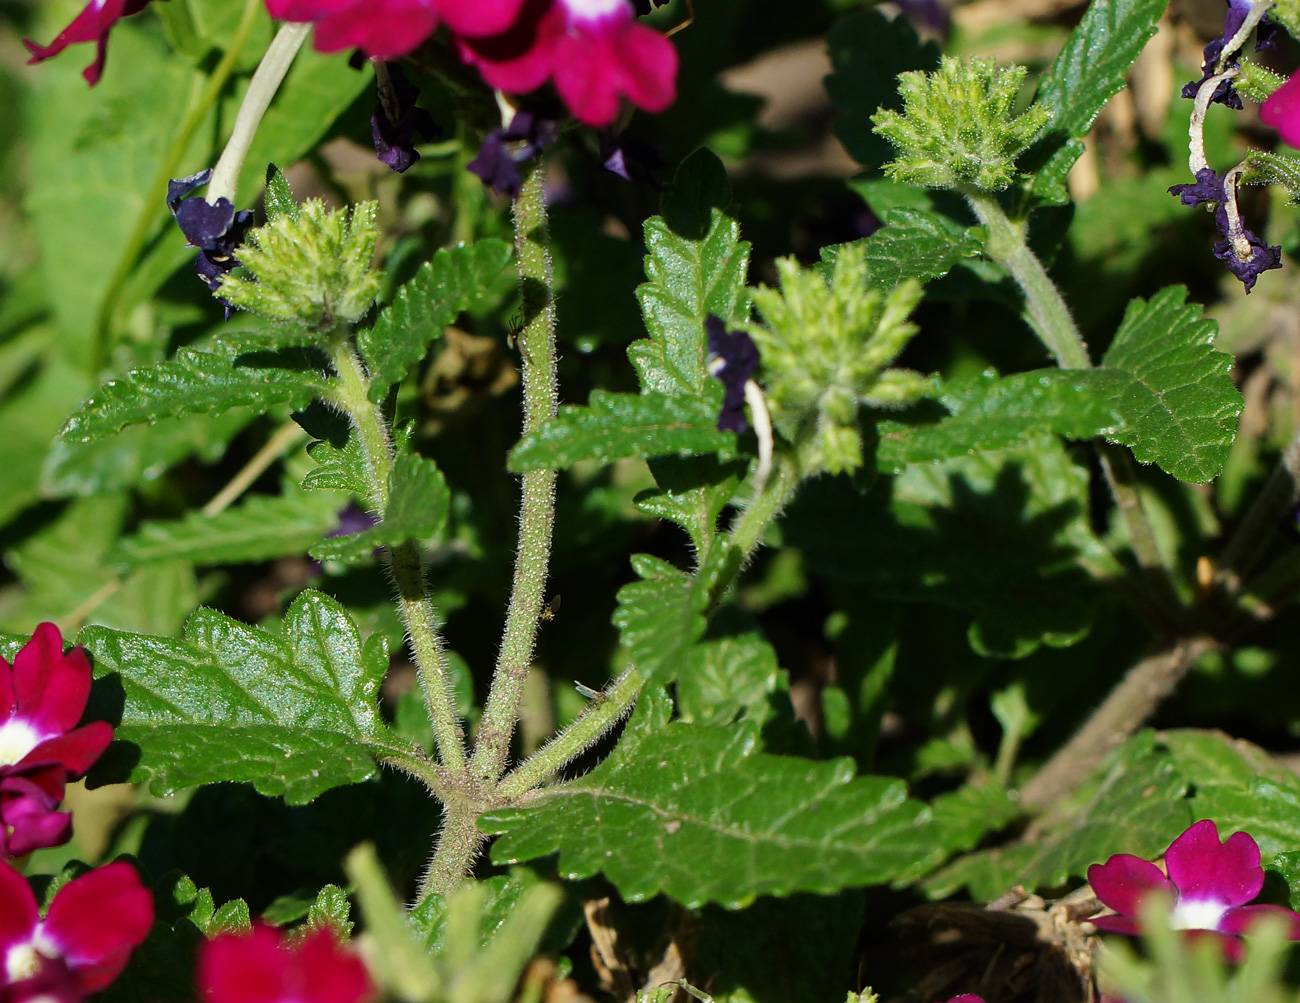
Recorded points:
(1282, 111)
(82, 944)
(92, 25)
(1210, 883)
(595, 51)
(42, 698)
(259, 967)
(387, 29)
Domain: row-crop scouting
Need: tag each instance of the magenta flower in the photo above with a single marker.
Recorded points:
(42, 697)
(92, 25)
(595, 51)
(260, 967)
(387, 29)
(1210, 883)
(82, 944)
(1282, 111)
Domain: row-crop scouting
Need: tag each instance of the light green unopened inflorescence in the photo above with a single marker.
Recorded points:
(956, 127)
(825, 347)
(311, 267)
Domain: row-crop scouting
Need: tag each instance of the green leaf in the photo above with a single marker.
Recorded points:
(692, 492)
(991, 412)
(418, 504)
(695, 813)
(1180, 406)
(1090, 69)
(196, 383)
(868, 51)
(279, 196)
(696, 265)
(662, 614)
(616, 425)
(294, 716)
(913, 244)
(262, 527)
(137, 454)
(998, 534)
(731, 671)
(442, 289)
(62, 569)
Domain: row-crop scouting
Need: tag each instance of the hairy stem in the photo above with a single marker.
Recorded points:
(537, 507)
(1047, 313)
(403, 561)
(155, 194)
(596, 719)
(459, 843)
(1129, 704)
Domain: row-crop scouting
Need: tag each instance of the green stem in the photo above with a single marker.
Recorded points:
(537, 508)
(1047, 313)
(156, 193)
(403, 561)
(459, 843)
(597, 718)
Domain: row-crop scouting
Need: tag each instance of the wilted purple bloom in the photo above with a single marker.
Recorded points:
(1224, 93)
(397, 123)
(503, 150)
(216, 229)
(1236, 17)
(733, 357)
(1208, 187)
(630, 159)
(1261, 257)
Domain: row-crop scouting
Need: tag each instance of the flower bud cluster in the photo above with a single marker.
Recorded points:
(825, 345)
(957, 127)
(311, 267)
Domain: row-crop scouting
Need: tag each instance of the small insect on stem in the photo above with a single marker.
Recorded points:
(550, 609)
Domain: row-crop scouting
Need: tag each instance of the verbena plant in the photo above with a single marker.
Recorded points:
(849, 589)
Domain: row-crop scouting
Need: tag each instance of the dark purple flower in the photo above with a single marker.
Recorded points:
(929, 14)
(1210, 883)
(1207, 188)
(1236, 17)
(1224, 94)
(630, 159)
(1244, 253)
(503, 150)
(733, 357)
(397, 123)
(216, 229)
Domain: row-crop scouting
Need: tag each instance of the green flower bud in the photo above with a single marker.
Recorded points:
(825, 344)
(956, 127)
(311, 268)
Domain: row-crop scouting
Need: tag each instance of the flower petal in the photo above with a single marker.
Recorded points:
(647, 68)
(1124, 880)
(1203, 869)
(1240, 919)
(479, 18)
(77, 750)
(96, 950)
(18, 912)
(1282, 111)
(330, 972)
(52, 687)
(1117, 924)
(93, 24)
(243, 967)
(383, 29)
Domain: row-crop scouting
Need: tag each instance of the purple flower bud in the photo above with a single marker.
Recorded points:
(1207, 188)
(397, 123)
(503, 150)
(733, 358)
(630, 159)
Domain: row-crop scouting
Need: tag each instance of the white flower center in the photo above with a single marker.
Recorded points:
(1200, 914)
(593, 10)
(17, 738)
(22, 962)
